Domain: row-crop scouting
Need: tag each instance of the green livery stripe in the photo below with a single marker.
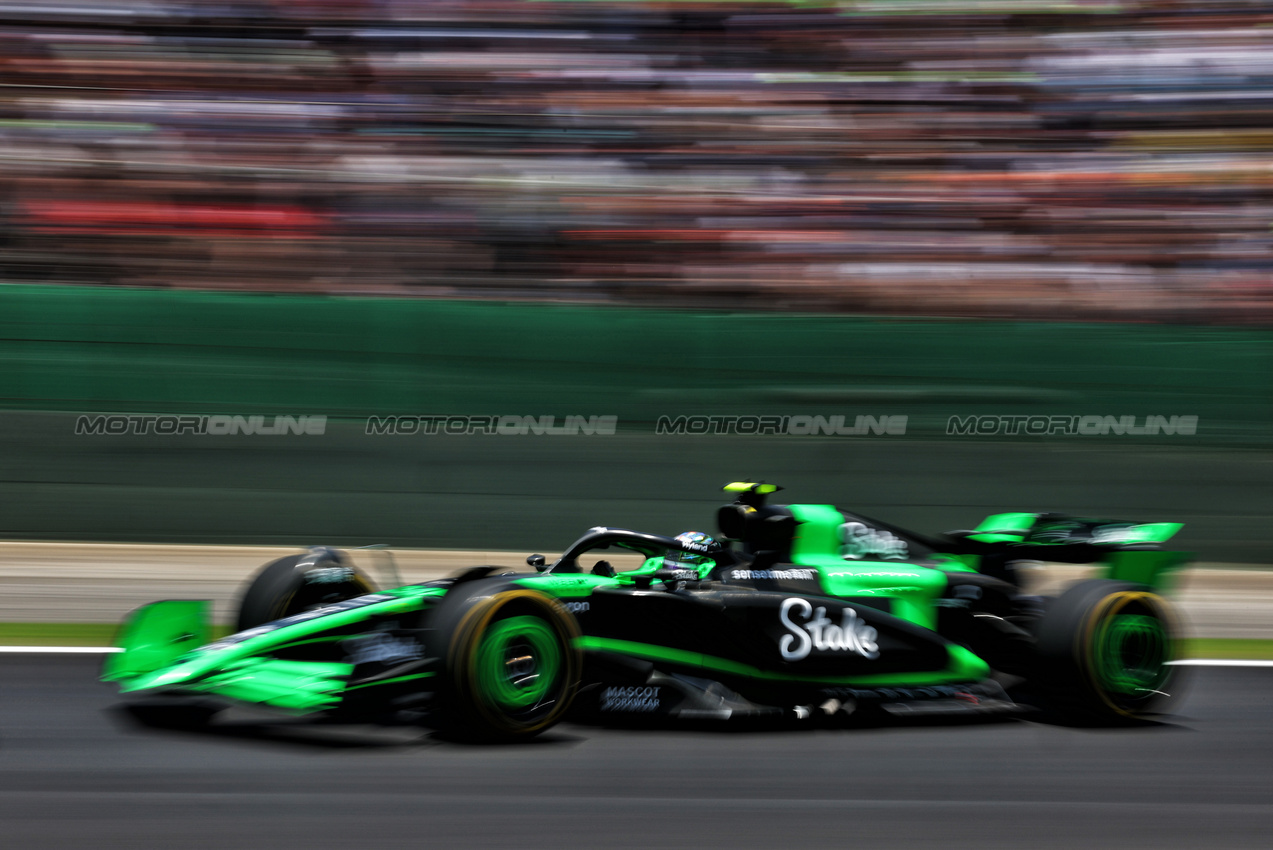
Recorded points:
(1013, 524)
(965, 563)
(964, 666)
(77, 635)
(392, 681)
(297, 685)
(817, 533)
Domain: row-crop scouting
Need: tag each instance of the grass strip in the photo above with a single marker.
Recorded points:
(1245, 649)
(69, 634)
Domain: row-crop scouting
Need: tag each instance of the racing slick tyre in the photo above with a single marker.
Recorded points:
(511, 666)
(1104, 648)
(298, 583)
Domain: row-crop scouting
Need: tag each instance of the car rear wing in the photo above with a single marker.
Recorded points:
(1130, 551)
(157, 634)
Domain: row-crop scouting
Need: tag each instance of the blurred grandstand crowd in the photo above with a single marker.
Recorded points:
(1033, 158)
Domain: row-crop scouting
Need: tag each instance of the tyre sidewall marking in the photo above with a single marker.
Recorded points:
(474, 623)
(1100, 615)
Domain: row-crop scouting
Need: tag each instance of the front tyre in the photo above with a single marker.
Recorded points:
(299, 583)
(1104, 650)
(512, 667)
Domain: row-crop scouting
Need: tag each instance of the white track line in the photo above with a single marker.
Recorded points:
(62, 650)
(1222, 662)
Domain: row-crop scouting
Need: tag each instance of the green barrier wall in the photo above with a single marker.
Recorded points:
(67, 350)
(71, 348)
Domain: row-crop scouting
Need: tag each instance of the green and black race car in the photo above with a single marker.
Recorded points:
(803, 610)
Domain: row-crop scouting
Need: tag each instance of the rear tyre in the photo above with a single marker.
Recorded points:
(512, 667)
(298, 583)
(1104, 648)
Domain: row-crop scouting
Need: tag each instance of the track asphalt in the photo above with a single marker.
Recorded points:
(73, 773)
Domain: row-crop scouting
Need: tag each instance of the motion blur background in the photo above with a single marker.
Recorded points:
(866, 208)
(926, 208)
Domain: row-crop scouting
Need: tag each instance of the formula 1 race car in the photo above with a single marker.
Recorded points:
(803, 610)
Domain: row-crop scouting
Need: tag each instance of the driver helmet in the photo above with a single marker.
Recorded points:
(693, 554)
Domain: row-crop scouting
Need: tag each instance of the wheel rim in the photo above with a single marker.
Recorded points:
(518, 663)
(1130, 652)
